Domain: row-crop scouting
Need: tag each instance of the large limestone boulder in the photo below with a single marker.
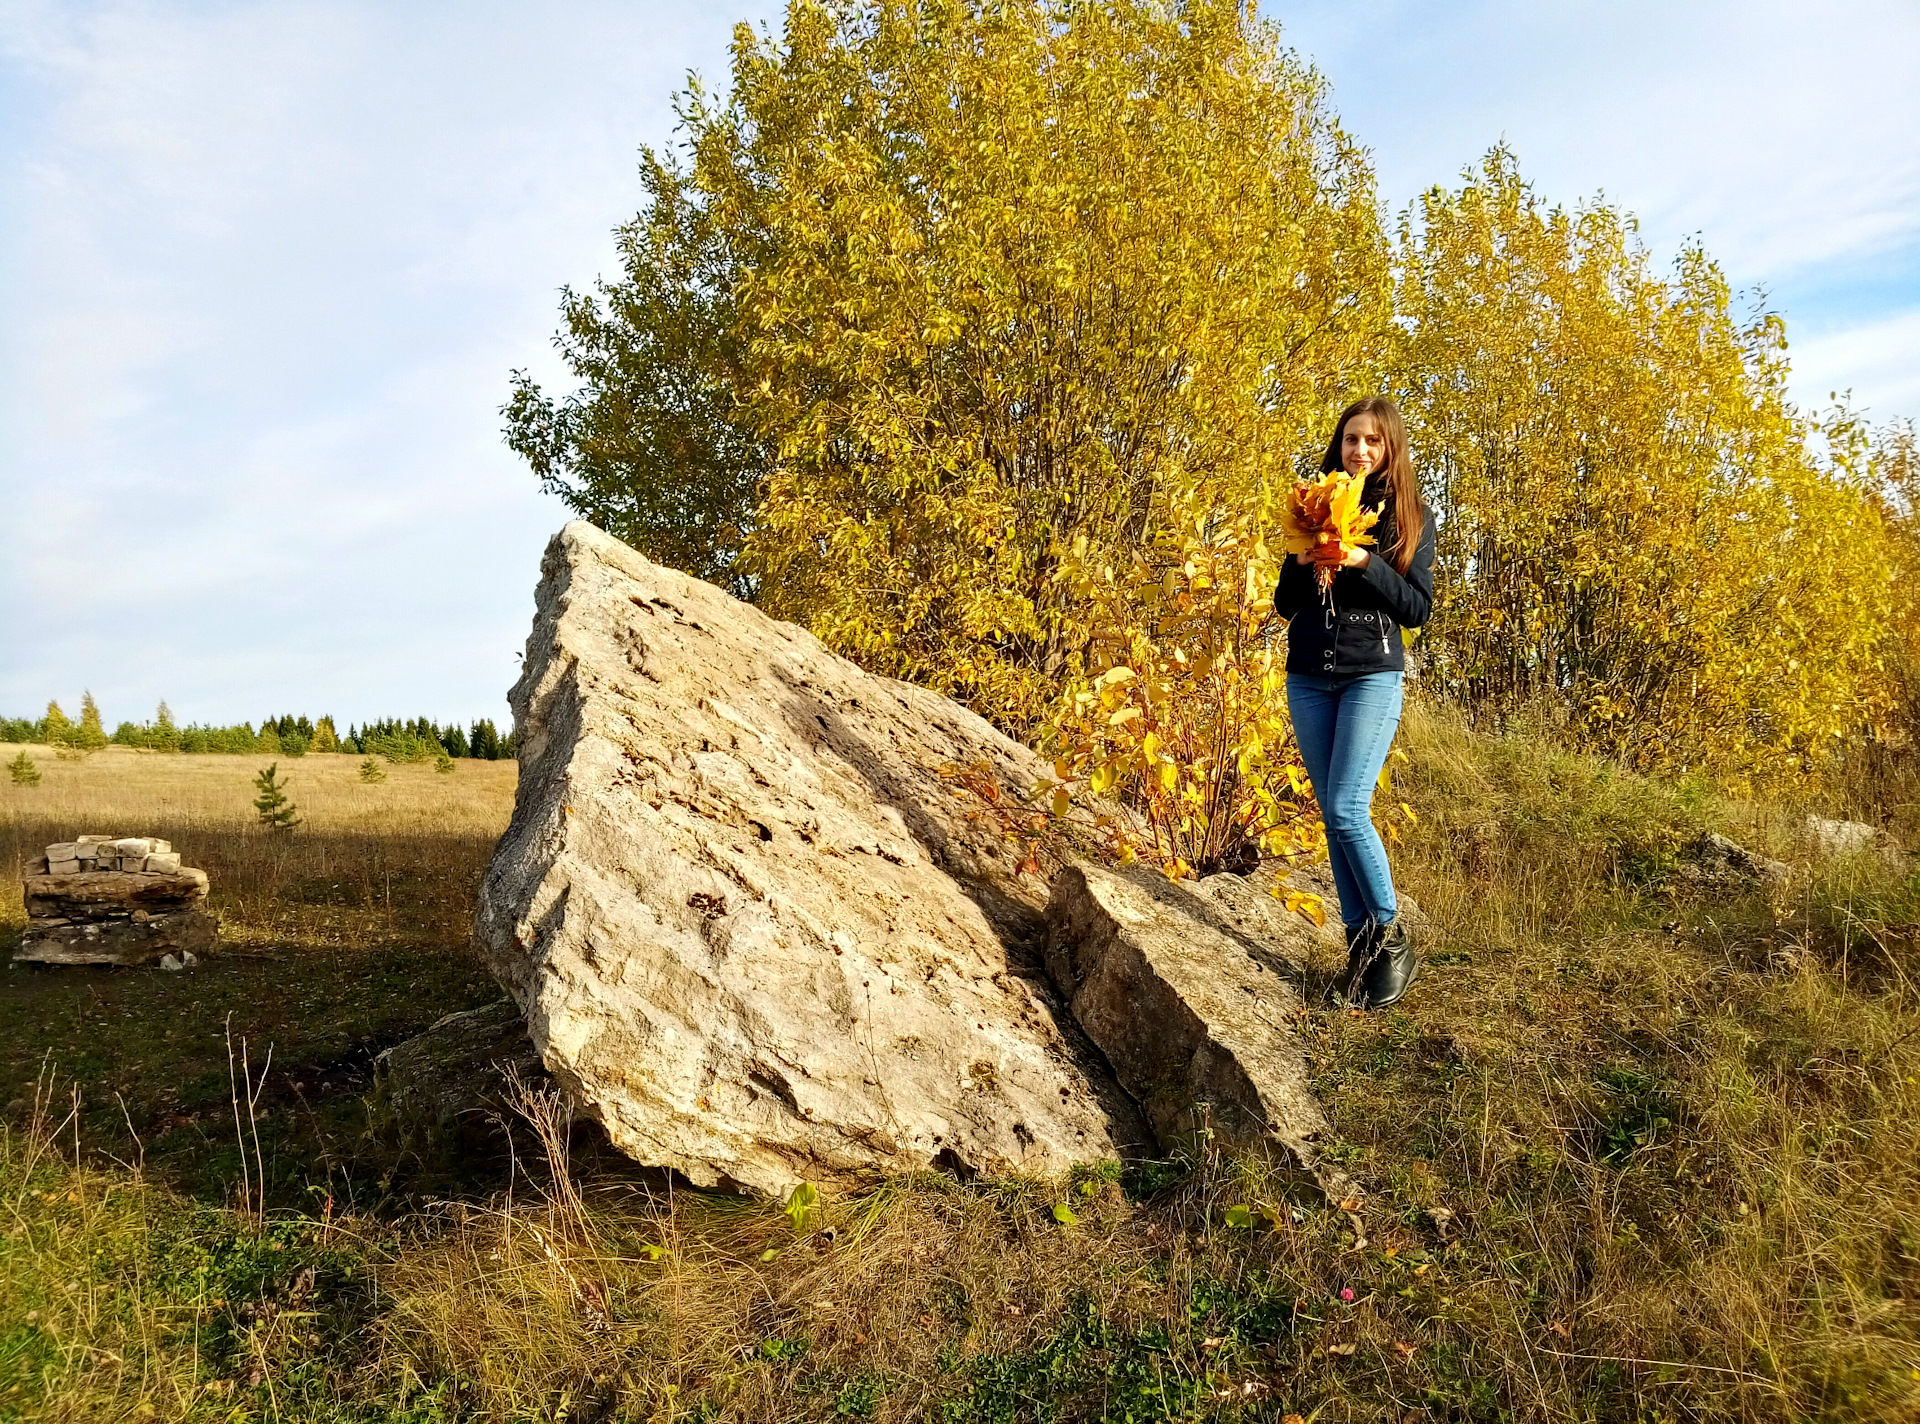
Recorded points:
(753, 923)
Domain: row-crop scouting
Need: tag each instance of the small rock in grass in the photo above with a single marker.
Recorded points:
(170, 964)
(1715, 863)
(1830, 840)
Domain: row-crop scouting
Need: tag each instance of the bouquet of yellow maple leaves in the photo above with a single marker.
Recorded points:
(1324, 519)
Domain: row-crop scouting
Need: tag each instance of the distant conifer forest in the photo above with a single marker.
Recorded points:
(396, 739)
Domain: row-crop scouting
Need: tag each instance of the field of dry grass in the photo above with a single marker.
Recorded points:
(1637, 1154)
(337, 940)
(356, 834)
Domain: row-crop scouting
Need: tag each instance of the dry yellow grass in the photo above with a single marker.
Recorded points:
(337, 939)
(414, 820)
(1637, 1154)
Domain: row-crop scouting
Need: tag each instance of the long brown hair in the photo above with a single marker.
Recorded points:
(1403, 490)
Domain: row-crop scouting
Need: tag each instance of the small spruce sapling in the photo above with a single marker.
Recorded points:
(277, 813)
(90, 736)
(443, 763)
(371, 771)
(23, 771)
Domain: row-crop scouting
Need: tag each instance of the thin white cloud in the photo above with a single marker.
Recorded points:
(269, 265)
(1875, 363)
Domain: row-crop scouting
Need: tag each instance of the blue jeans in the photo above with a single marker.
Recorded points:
(1344, 726)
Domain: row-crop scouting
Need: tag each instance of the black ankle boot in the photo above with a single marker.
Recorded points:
(1349, 991)
(1391, 969)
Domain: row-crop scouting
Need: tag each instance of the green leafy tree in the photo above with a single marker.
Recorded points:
(484, 739)
(165, 737)
(293, 735)
(276, 812)
(23, 771)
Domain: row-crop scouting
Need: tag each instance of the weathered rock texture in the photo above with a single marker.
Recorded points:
(441, 1091)
(1192, 993)
(1715, 863)
(753, 927)
(114, 900)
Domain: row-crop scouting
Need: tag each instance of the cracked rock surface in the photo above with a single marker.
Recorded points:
(753, 923)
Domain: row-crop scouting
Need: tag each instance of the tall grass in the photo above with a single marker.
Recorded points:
(1637, 1152)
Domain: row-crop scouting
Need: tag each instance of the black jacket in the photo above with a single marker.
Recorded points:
(1369, 606)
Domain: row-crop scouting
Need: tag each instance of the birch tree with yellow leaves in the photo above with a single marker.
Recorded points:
(1637, 534)
(967, 283)
(944, 306)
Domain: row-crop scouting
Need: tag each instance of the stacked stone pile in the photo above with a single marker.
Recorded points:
(114, 900)
(122, 853)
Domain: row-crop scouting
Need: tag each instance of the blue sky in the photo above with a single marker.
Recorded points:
(264, 268)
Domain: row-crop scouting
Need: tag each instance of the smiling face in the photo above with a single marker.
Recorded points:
(1363, 445)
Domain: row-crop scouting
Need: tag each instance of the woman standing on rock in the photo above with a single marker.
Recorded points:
(1345, 660)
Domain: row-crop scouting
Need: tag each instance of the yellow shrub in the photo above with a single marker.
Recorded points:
(1635, 529)
(1180, 709)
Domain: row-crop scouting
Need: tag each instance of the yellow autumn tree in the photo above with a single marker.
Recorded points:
(1880, 771)
(972, 282)
(1637, 535)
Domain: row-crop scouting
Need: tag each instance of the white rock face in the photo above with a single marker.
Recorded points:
(1839, 839)
(750, 923)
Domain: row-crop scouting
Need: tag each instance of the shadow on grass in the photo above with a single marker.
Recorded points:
(333, 948)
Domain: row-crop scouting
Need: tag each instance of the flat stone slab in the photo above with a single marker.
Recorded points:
(755, 926)
(144, 939)
(115, 917)
(442, 1089)
(101, 887)
(1192, 993)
